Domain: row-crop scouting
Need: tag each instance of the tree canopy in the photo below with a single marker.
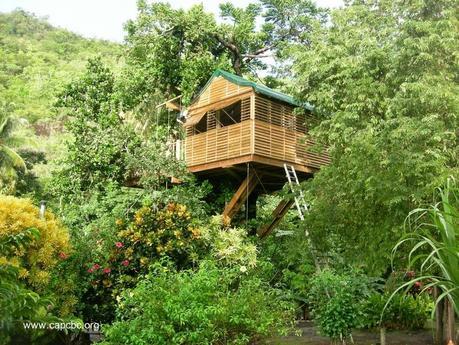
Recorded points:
(383, 77)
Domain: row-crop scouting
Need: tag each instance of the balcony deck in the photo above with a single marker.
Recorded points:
(251, 141)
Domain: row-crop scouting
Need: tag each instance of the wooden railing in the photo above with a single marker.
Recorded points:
(269, 140)
(219, 144)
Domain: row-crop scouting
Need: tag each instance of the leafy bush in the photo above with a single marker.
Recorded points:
(210, 305)
(403, 311)
(335, 301)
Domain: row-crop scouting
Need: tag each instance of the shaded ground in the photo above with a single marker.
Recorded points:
(310, 337)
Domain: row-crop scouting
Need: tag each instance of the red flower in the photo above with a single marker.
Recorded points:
(95, 267)
(125, 262)
(418, 284)
(410, 274)
(119, 244)
(107, 270)
(90, 270)
(63, 256)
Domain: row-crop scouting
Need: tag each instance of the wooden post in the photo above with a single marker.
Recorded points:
(438, 318)
(42, 209)
(448, 323)
(382, 335)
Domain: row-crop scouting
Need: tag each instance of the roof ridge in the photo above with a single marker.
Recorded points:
(260, 88)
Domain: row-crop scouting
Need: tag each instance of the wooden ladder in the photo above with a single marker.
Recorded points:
(298, 195)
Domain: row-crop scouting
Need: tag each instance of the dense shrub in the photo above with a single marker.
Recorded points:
(335, 301)
(209, 305)
(403, 311)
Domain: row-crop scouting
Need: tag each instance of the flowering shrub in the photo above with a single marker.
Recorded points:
(229, 246)
(36, 260)
(210, 305)
(153, 233)
(158, 233)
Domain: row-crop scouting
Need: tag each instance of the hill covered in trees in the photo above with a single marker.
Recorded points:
(36, 59)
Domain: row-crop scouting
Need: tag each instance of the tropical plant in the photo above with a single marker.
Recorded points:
(10, 160)
(209, 305)
(335, 301)
(435, 233)
(404, 311)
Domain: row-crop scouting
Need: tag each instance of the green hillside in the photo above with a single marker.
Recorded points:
(36, 59)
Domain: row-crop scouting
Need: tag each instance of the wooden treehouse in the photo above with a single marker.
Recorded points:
(248, 134)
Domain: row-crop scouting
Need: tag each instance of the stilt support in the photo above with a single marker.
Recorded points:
(277, 214)
(240, 197)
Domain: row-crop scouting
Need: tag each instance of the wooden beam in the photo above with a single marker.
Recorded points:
(247, 186)
(279, 212)
(280, 163)
(221, 163)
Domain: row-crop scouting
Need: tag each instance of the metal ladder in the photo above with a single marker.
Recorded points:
(294, 184)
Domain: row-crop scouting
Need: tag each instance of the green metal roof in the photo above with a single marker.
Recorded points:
(261, 89)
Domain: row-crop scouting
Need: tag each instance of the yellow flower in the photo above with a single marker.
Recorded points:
(23, 273)
(119, 222)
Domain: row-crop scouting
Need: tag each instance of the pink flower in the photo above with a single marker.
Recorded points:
(90, 270)
(63, 256)
(119, 244)
(95, 267)
(107, 270)
(125, 262)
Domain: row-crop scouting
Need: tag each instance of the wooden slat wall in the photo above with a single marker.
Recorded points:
(219, 89)
(279, 114)
(219, 144)
(286, 145)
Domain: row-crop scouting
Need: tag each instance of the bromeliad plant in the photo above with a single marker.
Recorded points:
(436, 249)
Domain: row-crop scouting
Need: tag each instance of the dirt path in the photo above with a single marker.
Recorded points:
(310, 337)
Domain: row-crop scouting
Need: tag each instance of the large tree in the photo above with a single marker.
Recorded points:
(383, 76)
(174, 51)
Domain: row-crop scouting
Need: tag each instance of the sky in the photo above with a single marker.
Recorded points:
(104, 19)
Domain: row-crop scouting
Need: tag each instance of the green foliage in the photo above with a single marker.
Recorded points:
(209, 305)
(37, 59)
(335, 301)
(10, 161)
(404, 311)
(17, 302)
(97, 153)
(436, 244)
(383, 79)
(174, 51)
